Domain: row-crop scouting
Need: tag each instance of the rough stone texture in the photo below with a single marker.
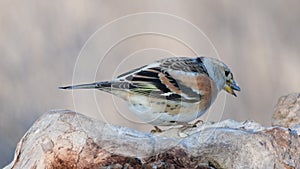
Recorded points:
(65, 139)
(287, 111)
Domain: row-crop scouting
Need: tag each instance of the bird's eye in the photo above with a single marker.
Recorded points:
(226, 73)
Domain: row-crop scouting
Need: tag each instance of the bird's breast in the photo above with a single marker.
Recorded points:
(164, 112)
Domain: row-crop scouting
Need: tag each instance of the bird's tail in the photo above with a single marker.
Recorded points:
(97, 85)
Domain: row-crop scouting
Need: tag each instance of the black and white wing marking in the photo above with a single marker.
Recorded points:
(154, 80)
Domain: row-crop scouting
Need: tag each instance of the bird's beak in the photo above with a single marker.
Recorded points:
(231, 86)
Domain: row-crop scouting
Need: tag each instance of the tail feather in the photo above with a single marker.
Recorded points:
(97, 85)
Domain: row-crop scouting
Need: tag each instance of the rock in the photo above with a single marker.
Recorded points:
(287, 111)
(65, 139)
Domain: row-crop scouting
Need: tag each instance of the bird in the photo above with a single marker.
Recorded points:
(170, 91)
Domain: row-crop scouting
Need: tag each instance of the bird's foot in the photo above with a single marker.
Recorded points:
(197, 122)
(186, 126)
(156, 130)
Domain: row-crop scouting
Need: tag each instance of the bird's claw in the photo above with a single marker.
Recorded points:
(156, 130)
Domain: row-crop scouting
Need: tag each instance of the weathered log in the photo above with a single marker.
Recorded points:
(65, 139)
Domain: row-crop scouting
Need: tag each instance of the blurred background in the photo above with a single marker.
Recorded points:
(44, 44)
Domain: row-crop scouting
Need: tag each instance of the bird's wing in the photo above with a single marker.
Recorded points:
(165, 79)
(184, 65)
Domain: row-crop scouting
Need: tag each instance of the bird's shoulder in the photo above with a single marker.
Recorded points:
(184, 65)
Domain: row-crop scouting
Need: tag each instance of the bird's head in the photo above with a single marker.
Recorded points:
(221, 74)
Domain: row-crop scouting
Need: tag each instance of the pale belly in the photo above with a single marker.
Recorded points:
(163, 112)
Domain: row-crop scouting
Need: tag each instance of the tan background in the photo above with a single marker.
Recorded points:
(40, 41)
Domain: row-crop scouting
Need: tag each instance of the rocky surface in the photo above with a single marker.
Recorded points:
(65, 139)
(287, 111)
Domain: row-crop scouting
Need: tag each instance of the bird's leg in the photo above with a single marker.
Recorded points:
(156, 130)
(197, 122)
(186, 125)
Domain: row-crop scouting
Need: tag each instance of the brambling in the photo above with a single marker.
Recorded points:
(170, 91)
